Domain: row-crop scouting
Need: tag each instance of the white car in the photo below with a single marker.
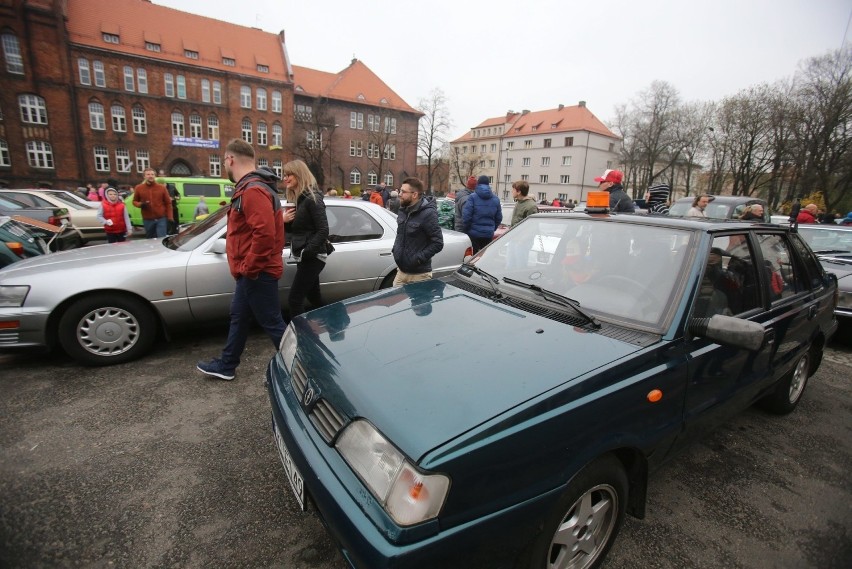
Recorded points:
(105, 304)
(84, 214)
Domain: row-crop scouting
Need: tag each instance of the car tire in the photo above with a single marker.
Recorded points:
(107, 329)
(788, 392)
(586, 520)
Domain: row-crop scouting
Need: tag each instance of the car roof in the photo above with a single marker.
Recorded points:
(727, 199)
(697, 223)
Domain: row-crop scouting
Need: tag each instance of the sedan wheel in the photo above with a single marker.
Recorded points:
(587, 519)
(788, 392)
(107, 330)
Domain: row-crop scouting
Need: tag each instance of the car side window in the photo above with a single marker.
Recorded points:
(812, 266)
(729, 285)
(351, 224)
(207, 190)
(33, 200)
(785, 278)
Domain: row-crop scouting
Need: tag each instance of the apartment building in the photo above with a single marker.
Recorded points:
(557, 151)
(101, 89)
(352, 129)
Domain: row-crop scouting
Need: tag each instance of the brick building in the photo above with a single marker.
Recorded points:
(100, 89)
(352, 129)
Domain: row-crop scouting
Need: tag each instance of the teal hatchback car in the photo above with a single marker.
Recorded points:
(510, 415)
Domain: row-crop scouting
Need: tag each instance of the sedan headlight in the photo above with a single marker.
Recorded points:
(13, 296)
(407, 495)
(288, 347)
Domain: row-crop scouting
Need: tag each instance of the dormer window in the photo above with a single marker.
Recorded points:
(263, 68)
(151, 46)
(190, 54)
(230, 62)
(361, 97)
(111, 38)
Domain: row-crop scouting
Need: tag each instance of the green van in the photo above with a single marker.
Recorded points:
(216, 192)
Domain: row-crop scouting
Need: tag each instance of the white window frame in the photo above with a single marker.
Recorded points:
(83, 71)
(278, 167)
(12, 52)
(205, 90)
(33, 109)
(526, 162)
(143, 161)
(246, 130)
(245, 97)
(212, 127)
(566, 160)
(261, 133)
(5, 157)
(177, 124)
(545, 160)
(543, 179)
(123, 165)
(355, 176)
(140, 120)
(181, 87)
(169, 84)
(97, 118)
(217, 92)
(194, 126)
(101, 158)
(99, 73)
(260, 98)
(129, 79)
(277, 102)
(372, 178)
(564, 179)
(119, 118)
(277, 135)
(142, 80)
(214, 166)
(39, 154)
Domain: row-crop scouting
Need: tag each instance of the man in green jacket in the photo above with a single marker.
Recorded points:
(524, 204)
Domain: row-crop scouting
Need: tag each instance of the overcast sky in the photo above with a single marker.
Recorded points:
(489, 56)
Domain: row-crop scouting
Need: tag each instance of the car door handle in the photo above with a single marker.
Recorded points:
(812, 311)
(385, 253)
(769, 337)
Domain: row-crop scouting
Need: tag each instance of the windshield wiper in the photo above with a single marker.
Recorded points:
(557, 298)
(832, 251)
(492, 281)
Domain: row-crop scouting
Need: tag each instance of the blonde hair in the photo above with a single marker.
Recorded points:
(307, 182)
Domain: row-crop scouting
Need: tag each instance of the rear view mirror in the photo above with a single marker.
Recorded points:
(218, 246)
(729, 331)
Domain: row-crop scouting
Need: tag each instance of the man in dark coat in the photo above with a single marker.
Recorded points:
(619, 201)
(482, 214)
(461, 197)
(418, 235)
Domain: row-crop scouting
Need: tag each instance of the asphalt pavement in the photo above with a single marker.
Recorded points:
(149, 464)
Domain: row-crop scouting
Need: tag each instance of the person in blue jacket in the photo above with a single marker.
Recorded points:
(482, 214)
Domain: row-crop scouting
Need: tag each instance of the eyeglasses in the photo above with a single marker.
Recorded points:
(408, 191)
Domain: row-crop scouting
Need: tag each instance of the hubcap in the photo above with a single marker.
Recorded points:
(797, 383)
(108, 331)
(585, 529)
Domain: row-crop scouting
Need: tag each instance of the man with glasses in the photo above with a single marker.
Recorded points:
(619, 201)
(418, 235)
(254, 241)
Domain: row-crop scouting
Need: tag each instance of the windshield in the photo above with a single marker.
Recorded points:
(619, 270)
(197, 233)
(825, 240)
(71, 201)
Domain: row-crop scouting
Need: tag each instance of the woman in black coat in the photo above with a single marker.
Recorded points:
(306, 226)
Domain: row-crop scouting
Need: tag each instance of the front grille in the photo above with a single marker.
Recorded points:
(323, 415)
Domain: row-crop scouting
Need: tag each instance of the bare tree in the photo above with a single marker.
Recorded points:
(381, 141)
(312, 139)
(434, 126)
(464, 165)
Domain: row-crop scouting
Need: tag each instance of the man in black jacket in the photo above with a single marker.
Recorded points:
(418, 235)
(619, 201)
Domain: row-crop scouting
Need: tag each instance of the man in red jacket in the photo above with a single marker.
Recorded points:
(156, 205)
(808, 214)
(254, 242)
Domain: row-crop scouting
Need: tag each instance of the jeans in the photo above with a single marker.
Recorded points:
(115, 237)
(154, 227)
(306, 283)
(258, 298)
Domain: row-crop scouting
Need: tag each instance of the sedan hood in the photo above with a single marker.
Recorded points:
(86, 257)
(391, 358)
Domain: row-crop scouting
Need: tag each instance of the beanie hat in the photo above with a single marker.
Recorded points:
(483, 180)
(471, 183)
(658, 193)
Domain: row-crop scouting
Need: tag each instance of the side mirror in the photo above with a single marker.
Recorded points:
(729, 331)
(218, 246)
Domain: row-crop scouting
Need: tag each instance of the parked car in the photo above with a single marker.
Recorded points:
(216, 191)
(104, 304)
(17, 242)
(509, 209)
(720, 207)
(83, 214)
(53, 224)
(833, 245)
(509, 415)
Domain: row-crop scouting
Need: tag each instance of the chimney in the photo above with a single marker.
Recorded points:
(561, 106)
(524, 112)
(582, 104)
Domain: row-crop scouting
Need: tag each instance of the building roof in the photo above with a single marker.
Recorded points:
(357, 83)
(560, 119)
(139, 21)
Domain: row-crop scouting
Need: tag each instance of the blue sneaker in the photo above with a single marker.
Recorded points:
(215, 368)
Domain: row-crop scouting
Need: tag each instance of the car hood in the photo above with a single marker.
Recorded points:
(87, 257)
(394, 356)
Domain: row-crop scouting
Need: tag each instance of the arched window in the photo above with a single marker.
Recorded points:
(260, 95)
(389, 179)
(12, 51)
(140, 120)
(177, 124)
(355, 176)
(84, 71)
(277, 135)
(261, 133)
(195, 126)
(180, 168)
(119, 119)
(212, 127)
(205, 90)
(245, 97)
(246, 130)
(97, 120)
(33, 109)
(276, 102)
(372, 178)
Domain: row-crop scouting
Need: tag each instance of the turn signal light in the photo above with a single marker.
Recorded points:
(16, 248)
(11, 324)
(655, 395)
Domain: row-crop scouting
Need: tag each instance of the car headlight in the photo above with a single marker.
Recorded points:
(13, 296)
(407, 495)
(288, 346)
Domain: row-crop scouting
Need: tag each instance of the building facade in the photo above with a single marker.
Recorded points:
(557, 151)
(352, 129)
(97, 90)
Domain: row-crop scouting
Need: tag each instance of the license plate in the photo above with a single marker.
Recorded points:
(293, 475)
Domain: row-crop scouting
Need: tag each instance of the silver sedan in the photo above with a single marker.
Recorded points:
(106, 304)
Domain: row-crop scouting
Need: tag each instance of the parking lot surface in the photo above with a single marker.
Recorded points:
(149, 464)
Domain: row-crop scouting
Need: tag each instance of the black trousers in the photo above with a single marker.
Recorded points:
(306, 284)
